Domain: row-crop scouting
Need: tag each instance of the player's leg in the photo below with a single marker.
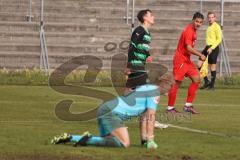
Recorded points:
(147, 121)
(143, 129)
(179, 71)
(117, 138)
(121, 134)
(147, 129)
(112, 140)
(192, 90)
(87, 139)
(62, 138)
(112, 134)
(172, 95)
(212, 63)
(213, 76)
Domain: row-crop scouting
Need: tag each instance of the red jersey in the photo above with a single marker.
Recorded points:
(188, 37)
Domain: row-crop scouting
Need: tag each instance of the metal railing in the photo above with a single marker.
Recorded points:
(127, 17)
(224, 58)
(201, 6)
(44, 62)
(29, 15)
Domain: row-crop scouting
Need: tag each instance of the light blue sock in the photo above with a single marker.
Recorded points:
(99, 141)
(75, 138)
(103, 141)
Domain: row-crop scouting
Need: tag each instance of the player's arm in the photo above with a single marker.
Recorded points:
(191, 50)
(136, 39)
(218, 33)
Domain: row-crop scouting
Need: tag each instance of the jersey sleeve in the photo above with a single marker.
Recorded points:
(137, 36)
(140, 40)
(218, 33)
(188, 37)
(152, 102)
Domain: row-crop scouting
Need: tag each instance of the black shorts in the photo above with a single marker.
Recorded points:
(136, 79)
(212, 58)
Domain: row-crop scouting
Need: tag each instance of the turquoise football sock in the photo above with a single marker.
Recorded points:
(103, 141)
(75, 138)
(99, 141)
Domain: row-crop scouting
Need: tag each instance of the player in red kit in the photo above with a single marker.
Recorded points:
(184, 67)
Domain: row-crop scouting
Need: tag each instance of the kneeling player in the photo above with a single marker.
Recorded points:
(142, 102)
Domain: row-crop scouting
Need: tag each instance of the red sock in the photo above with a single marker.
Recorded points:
(172, 94)
(192, 90)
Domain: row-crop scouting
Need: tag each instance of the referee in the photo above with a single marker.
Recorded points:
(213, 40)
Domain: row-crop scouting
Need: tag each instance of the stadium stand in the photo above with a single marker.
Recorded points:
(83, 27)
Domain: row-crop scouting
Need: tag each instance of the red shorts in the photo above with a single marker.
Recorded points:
(183, 69)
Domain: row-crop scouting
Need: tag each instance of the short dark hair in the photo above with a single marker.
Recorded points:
(198, 15)
(142, 13)
(211, 12)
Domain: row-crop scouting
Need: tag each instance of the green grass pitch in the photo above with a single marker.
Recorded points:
(28, 122)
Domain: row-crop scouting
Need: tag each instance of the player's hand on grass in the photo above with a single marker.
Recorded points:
(202, 57)
(151, 144)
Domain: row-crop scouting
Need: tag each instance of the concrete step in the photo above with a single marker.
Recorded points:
(92, 39)
(62, 49)
(93, 19)
(32, 60)
(10, 28)
(156, 3)
(19, 26)
(57, 49)
(118, 10)
(61, 38)
(77, 27)
(21, 17)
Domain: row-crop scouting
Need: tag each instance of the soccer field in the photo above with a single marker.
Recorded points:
(28, 123)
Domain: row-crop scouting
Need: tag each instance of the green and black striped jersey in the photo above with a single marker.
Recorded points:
(139, 48)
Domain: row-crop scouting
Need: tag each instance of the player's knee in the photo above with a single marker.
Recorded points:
(177, 83)
(196, 79)
(126, 144)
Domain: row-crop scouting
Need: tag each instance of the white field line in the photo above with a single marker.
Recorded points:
(170, 125)
(203, 131)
